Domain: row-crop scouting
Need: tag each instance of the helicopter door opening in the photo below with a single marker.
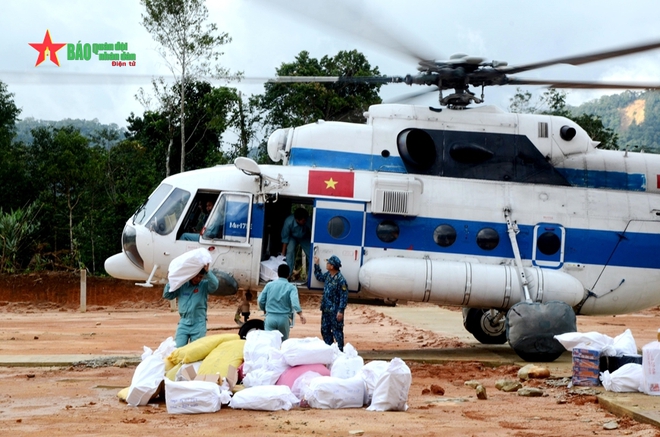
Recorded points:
(275, 214)
(338, 229)
(548, 250)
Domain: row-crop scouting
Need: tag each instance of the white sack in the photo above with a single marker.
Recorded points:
(622, 344)
(586, 340)
(310, 350)
(391, 392)
(347, 364)
(192, 397)
(267, 370)
(186, 266)
(301, 384)
(627, 378)
(258, 344)
(266, 398)
(268, 270)
(149, 374)
(370, 374)
(327, 392)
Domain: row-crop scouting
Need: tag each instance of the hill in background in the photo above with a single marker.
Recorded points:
(106, 135)
(634, 116)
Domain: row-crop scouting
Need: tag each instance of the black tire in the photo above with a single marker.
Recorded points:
(478, 322)
(250, 325)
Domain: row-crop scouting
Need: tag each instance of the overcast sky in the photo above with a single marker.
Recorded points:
(516, 31)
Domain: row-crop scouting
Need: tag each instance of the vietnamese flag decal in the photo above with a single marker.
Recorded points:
(331, 183)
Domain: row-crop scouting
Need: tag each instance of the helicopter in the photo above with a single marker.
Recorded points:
(519, 219)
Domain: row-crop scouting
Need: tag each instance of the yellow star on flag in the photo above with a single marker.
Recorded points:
(330, 183)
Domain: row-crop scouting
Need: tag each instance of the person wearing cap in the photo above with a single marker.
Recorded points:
(279, 299)
(193, 302)
(334, 301)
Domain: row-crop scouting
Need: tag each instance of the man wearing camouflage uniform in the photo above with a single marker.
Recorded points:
(334, 301)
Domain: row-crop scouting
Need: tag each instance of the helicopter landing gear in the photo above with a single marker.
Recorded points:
(487, 326)
(531, 327)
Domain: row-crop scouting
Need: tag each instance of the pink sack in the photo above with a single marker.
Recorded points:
(290, 375)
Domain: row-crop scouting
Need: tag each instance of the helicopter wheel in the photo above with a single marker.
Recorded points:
(485, 325)
(250, 325)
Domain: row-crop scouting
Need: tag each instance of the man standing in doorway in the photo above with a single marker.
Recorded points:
(296, 232)
(334, 301)
(279, 299)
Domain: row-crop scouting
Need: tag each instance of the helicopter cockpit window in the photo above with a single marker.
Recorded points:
(167, 216)
(444, 235)
(229, 221)
(488, 239)
(148, 208)
(387, 231)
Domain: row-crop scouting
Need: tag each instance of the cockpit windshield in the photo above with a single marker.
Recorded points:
(148, 208)
(167, 216)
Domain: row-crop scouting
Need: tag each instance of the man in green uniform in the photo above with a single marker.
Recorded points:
(279, 299)
(193, 297)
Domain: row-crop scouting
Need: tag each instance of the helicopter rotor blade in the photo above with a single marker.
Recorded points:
(583, 59)
(337, 79)
(411, 96)
(583, 84)
(348, 18)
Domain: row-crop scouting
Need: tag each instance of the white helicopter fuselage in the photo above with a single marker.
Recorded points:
(428, 205)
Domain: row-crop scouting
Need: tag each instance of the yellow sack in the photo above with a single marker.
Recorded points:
(123, 394)
(220, 358)
(171, 374)
(197, 350)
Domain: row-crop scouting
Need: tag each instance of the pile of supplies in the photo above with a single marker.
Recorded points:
(614, 362)
(264, 373)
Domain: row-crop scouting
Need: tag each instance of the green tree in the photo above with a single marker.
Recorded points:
(14, 177)
(212, 112)
(521, 102)
(292, 104)
(17, 230)
(189, 45)
(597, 131)
(63, 165)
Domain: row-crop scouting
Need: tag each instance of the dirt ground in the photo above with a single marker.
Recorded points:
(39, 315)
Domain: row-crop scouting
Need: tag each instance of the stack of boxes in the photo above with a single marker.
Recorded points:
(586, 367)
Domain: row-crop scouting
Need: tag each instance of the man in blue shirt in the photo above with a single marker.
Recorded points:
(296, 232)
(193, 297)
(279, 299)
(334, 301)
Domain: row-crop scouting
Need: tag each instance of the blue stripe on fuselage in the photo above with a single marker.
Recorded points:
(303, 157)
(583, 246)
(615, 180)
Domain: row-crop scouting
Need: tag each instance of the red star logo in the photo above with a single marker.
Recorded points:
(47, 49)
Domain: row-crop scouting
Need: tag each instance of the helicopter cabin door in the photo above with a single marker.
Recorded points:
(338, 229)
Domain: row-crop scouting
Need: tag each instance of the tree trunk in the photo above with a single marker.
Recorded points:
(183, 117)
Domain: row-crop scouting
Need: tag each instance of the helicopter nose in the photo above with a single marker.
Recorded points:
(119, 266)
